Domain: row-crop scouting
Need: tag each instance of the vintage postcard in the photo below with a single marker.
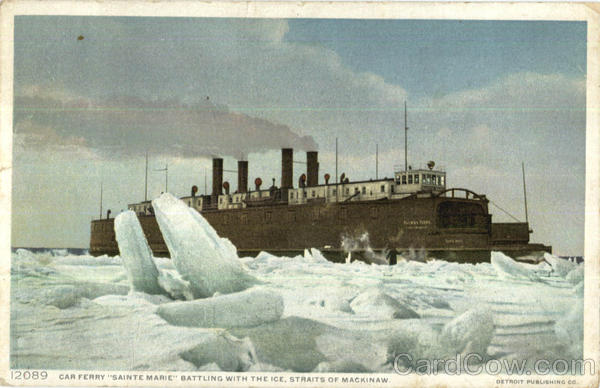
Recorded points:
(299, 194)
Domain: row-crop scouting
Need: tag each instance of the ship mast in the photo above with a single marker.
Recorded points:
(405, 140)
(166, 170)
(524, 192)
(145, 181)
(100, 199)
(376, 161)
(337, 178)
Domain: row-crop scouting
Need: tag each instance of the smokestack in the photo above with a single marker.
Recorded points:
(312, 168)
(217, 181)
(242, 176)
(287, 168)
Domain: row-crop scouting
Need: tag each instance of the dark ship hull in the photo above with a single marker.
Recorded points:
(440, 225)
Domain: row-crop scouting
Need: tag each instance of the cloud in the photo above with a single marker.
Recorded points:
(277, 93)
(124, 126)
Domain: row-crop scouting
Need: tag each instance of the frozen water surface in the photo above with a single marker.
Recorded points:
(306, 314)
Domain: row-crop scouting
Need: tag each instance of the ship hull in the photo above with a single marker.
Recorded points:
(454, 229)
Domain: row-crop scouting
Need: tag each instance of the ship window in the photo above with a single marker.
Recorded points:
(403, 179)
(410, 179)
(347, 191)
(443, 183)
(313, 193)
(220, 200)
(304, 193)
(364, 190)
(416, 178)
(333, 192)
(459, 215)
(383, 188)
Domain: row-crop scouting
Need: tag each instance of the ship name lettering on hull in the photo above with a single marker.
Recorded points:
(417, 222)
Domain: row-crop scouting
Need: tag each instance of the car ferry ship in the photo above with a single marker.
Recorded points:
(412, 211)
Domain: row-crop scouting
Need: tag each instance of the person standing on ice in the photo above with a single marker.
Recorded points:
(392, 256)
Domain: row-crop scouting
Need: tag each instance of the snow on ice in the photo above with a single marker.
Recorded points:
(247, 308)
(207, 309)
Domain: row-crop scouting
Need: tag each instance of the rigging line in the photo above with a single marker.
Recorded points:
(510, 215)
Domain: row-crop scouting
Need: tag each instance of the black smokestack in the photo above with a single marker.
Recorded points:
(242, 176)
(312, 168)
(287, 168)
(217, 180)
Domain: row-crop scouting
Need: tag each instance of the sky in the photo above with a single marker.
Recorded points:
(92, 95)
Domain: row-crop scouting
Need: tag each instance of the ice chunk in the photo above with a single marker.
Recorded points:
(88, 260)
(226, 351)
(288, 343)
(223, 245)
(378, 304)
(560, 267)
(314, 256)
(352, 351)
(61, 296)
(578, 289)
(507, 267)
(202, 258)
(414, 337)
(136, 254)
(174, 285)
(333, 301)
(65, 296)
(471, 331)
(569, 331)
(91, 290)
(248, 308)
(576, 275)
